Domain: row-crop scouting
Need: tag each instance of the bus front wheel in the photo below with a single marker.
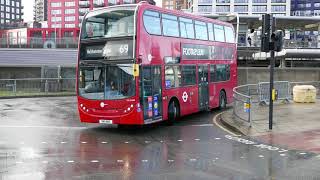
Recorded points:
(173, 112)
(222, 100)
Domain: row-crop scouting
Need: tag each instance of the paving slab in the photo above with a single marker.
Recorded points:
(296, 125)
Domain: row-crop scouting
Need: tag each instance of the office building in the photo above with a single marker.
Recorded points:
(40, 11)
(10, 13)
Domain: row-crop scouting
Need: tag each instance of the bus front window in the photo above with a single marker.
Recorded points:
(113, 23)
(107, 82)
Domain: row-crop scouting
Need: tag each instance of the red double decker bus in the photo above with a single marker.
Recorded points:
(140, 64)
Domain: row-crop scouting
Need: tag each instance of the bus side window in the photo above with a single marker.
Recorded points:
(229, 34)
(172, 76)
(151, 21)
(189, 75)
(186, 28)
(212, 73)
(201, 30)
(170, 25)
(222, 72)
(219, 33)
(210, 31)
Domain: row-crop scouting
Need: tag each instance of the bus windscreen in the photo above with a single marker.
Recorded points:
(107, 24)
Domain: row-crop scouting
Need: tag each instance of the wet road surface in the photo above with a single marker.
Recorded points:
(42, 138)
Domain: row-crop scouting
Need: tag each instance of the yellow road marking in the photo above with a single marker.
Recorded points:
(221, 127)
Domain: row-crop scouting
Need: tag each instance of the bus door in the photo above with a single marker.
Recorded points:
(203, 87)
(151, 93)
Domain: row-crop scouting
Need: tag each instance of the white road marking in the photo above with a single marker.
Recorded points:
(45, 162)
(63, 142)
(46, 127)
(161, 141)
(119, 161)
(170, 160)
(19, 162)
(217, 138)
(203, 125)
(43, 142)
(94, 161)
(180, 140)
(147, 142)
(302, 153)
(282, 154)
(126, 142)
(83, 142)
(192, 160)
(261, 156)
(71, 161)
(104, 142)
(197, 139)
(144, 160)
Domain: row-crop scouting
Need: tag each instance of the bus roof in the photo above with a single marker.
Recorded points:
(144, 5)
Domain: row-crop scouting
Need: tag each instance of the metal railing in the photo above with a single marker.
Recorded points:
(67, 42)
(37, 87)
(249, 98)
(288, 44)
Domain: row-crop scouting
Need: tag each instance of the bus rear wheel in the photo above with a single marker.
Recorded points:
(222, 100)
(173, 112)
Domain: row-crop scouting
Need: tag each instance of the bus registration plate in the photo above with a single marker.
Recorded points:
(103, 121)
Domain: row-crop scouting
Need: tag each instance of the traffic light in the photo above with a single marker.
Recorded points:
(277, 38)
(265, 34)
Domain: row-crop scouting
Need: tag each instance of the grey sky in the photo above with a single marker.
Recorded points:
(28, 9)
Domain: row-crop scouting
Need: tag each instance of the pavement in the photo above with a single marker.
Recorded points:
(42, 139)
(296, 125)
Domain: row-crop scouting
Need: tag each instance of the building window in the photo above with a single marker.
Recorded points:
(12, 10)
(17, 4)
(205, 9)
(12, 16)
(151, 21)
(240, 1)
(223, 1)
(18, 11)
(219, 33)
(8, 15)
(112, 2)
(316, 4)
(56, 11)
(170, 25)
(17, 16)
(12, 3)
(8, 2)
(69, 18)
(2, 1)
(240, 8)
(205, 2)
(278, 8)
(259, 1)
(186, 28)
(56, 4)
(2, 21)
(69, 3)
(69, 11)
(223, 9)
(56, 25)
(8, 9)
(2, 15)
(201, 30)
(56, 19)
(308, 5)
(259, 8)
(2, 8)
(128, 1)
(278, 1)
(69, 25)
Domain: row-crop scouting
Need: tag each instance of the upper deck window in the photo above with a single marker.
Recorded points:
(210, 31)
(219, 33)
(201, 30)
(186, 28)
(229, 34)
(151, 21)
(112, 23)
(170, 25)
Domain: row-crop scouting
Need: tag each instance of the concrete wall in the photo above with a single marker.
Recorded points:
(36, 72)
(253, 75)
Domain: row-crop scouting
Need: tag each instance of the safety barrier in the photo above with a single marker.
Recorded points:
(282, 91)
(249, 98)
(37, 87)
(243, 97)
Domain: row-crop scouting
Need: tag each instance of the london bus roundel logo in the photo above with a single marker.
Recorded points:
(185, 96)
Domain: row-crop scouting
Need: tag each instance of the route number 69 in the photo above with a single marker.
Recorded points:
(123, 49)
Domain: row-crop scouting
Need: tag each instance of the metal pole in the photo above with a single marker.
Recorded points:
(272, 61)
